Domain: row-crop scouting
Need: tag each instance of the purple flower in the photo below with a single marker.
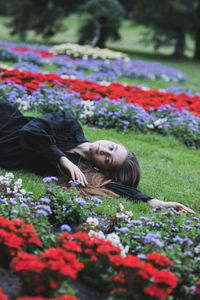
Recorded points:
(44, 207)
(136, 222)
(65, 227)
(93, 213)
(152, 238)
(96, 200)
(188, 221)
(14, 211)
(41, 213)
(122, 229)
(81, 201)
(187, 227)
(76, 183)
(23, 205)
(13, 201)
(2, 200)
(45, 200)
(49, 179)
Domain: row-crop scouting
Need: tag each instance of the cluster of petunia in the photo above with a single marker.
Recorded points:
(44, 273)
(167, 232)
(18, 203)
(28, 57)
(166, 119)
(16, 236)
(86, 51)
(94, 91)
(107, 258)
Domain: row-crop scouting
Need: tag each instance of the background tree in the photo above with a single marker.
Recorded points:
(197, 29)
(4, 7)
(167, 20)
(44, 17)
(103, 18)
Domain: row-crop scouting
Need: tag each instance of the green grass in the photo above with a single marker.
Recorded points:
(170, 171)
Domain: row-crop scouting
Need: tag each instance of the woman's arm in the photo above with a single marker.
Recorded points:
(134, 194)
(175, 205)
(39, 137)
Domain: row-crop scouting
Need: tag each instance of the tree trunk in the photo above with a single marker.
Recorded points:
(103, 33)
(180, 44)
(197, 34)
(96, 34)
(197, 45)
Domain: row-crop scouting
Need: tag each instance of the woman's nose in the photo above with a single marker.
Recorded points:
(104, 151)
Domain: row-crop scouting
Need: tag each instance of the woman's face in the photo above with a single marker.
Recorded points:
(107, 154)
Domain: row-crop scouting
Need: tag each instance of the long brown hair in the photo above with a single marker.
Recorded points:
(96, 181)
(129, 172)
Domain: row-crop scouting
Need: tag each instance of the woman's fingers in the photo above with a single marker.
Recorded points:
(184, 209)
(75, 172)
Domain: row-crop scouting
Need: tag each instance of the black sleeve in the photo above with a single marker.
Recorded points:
(39, 135)
(126, 191)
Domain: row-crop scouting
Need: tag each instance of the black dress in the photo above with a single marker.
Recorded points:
(36, 144)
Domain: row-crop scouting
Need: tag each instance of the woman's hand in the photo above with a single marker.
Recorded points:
(74, 171)
(175, 205)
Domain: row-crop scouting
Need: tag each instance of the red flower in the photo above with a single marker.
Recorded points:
(159, 259)
(198, 287)
(95, 91)
(155, 291)
(3, 296)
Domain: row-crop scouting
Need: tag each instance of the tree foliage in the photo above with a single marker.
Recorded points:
(167, 21)
(102, 21)
(44, 17)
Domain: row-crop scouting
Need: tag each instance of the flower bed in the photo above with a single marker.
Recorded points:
(123, 264)
(52, 93)
(95, 91)
(99, 69)
(86, 51)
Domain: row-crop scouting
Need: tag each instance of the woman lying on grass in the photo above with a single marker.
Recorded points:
(55, 145)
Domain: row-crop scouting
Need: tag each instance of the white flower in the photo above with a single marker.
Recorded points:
(18, 183)
(23, 104)
(9, 175)
(98, 234)
(92, 221)
(8, 191)
(86, 51)
(114, 238)
(121, 215)
(160, 122)
(121, 207)
(129, 213)
(22, 191)
(124, 250)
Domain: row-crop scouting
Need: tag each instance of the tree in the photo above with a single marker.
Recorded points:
(102, 21)
(167, 20)
(197, 30)
(42, 16)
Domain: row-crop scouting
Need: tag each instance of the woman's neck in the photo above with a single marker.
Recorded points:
(82, 149)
